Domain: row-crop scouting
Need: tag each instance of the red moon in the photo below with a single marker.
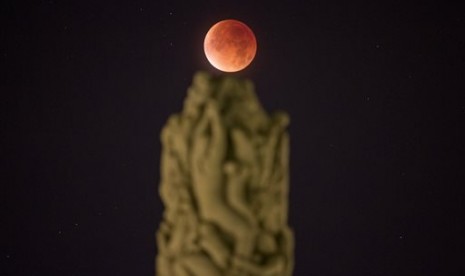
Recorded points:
(230, 45)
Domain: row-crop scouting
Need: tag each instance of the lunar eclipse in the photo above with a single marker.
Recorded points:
(230, 45)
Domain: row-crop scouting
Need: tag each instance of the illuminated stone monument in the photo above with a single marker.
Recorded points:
(224, 185)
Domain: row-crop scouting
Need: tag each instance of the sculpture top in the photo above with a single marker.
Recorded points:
(235, 98)
(224, 183)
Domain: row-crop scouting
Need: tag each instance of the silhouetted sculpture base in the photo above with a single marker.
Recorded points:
(224, 184)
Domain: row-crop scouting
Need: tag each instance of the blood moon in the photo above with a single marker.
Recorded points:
(230, 45)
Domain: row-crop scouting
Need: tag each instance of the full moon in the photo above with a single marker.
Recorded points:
(230, 45)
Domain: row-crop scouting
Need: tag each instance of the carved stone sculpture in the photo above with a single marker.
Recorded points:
(224, 184)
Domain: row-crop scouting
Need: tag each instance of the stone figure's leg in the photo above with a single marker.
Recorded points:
(236, 191)
(172, 177)
(213, 244)
(167, 190)
(174, 136)
(179, 269)
(266, 243)
(274, 214)
(233, 224)
(199, 265)
(243, 148)
(274, 267)
(162, 238)
(177, 239)
(246, 154)
(163, 266)
(280, 121)
(287, 243)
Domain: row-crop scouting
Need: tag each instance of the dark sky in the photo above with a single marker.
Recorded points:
(375, 95)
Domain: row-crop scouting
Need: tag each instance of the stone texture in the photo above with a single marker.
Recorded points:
(224, 185)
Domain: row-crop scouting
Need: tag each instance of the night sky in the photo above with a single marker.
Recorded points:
(375, 92)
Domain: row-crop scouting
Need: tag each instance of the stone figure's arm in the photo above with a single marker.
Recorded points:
(209, 137)
(208, 151)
